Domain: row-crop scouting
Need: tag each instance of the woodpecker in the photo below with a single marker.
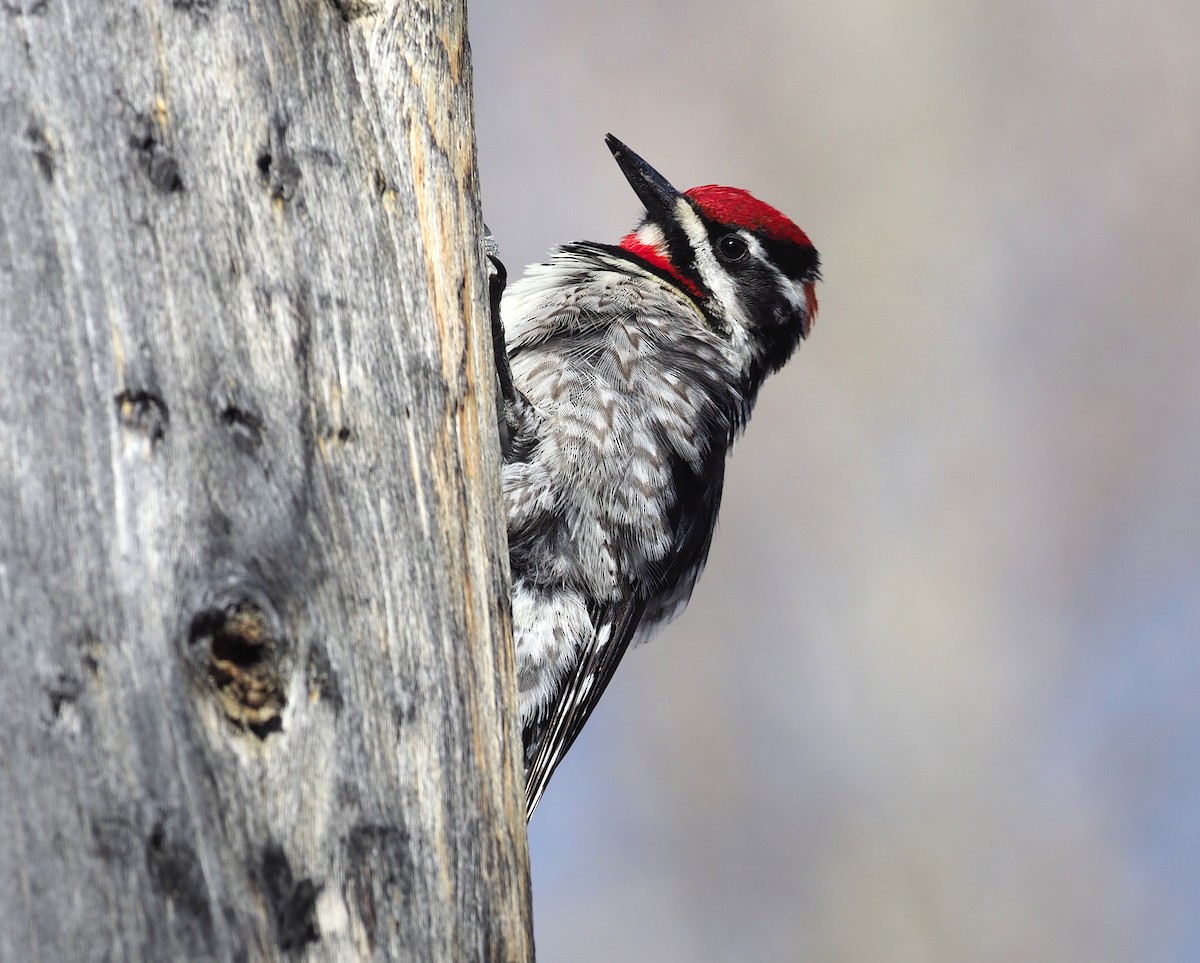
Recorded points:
(625, 373)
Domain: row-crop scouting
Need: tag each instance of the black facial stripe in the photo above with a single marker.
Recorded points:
(679, 250)
(798, 262)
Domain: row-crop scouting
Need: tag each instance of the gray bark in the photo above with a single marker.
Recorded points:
(256, 695)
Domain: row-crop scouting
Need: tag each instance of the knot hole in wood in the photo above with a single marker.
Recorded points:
(241, 655)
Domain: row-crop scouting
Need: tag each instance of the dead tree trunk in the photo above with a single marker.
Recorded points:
(256, 699)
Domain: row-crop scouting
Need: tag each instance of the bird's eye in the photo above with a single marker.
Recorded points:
(732, 247)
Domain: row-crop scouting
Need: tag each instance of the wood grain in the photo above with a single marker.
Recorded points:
(257, 699)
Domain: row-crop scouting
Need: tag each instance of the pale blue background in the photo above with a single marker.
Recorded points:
(938, 696)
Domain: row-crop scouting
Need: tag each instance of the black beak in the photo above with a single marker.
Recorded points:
(649, 185)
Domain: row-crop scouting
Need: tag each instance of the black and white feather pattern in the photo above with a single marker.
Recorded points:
(629, 403)
(625, 373)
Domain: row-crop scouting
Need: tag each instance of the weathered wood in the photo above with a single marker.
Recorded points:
(256, 699)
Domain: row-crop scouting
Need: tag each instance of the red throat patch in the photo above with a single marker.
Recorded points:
(738, 208)
(656, 258)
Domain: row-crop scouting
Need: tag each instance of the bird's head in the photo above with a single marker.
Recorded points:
(750, 269)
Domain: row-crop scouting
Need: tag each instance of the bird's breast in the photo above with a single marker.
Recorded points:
(618, 417)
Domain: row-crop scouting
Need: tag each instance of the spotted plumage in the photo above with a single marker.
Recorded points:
(627, 372)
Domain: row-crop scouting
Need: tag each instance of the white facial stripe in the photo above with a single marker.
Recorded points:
(756, 249)
(715, 277)
(651, 235)
(794, 291)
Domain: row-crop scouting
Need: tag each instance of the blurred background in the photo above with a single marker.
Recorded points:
(938, 695)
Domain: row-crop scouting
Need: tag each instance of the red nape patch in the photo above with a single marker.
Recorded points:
(738, 208)
(810, 304)
(657, 259)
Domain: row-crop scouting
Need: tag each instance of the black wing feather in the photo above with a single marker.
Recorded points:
(553, 735)
(694, 515)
